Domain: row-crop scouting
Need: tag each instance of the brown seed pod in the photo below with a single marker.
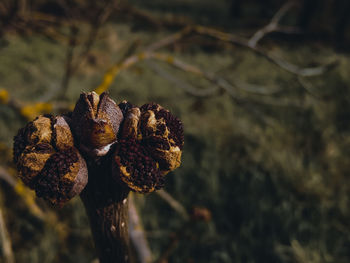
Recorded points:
(32, 161)
(162, 133)
(149, 147)
(133, 166)
(45, 155)
(63, 177)
(95, 121)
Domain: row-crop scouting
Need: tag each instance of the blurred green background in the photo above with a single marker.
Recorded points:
(266, 150)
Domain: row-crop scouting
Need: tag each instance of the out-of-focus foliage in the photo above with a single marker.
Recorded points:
(270, 161)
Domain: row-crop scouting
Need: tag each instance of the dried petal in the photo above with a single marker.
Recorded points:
(130, 124)
(96, 123)
(62, 135)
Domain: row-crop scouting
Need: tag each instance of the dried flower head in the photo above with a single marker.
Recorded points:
(47, 160)
(150, 146)
(95, 121)
(163, 135)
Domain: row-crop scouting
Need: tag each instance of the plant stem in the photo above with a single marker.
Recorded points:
(106, 205)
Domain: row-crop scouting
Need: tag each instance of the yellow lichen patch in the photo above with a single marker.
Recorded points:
(170, 59)
(4, 96)
(107, 80)
(32, 110)
(141, 56)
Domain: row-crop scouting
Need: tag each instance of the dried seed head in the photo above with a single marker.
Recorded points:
(32, 161)
(149, 147)
(62, 177)
(35, 132)
(95, 121)
(45, 143)
(163, 135)
(134, 166)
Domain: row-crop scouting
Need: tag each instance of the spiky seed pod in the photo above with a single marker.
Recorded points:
(45, 143)
(162, 134)
(149, 147)
(95, 121)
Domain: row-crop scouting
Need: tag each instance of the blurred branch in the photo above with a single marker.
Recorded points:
(28, 111)
(113, 71)
(69, 60)
(180, 83)
(177, 206)
(137, 234)
(5, 241)
(176, 20)
(274, 26)
(307, 87)
(197, 214)
(73, 63)
(27, 195)
(287, 66)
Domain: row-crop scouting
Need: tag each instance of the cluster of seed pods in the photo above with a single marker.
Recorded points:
(143, 144)
(48, 161)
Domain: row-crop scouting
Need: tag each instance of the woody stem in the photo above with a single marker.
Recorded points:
(106, 205)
